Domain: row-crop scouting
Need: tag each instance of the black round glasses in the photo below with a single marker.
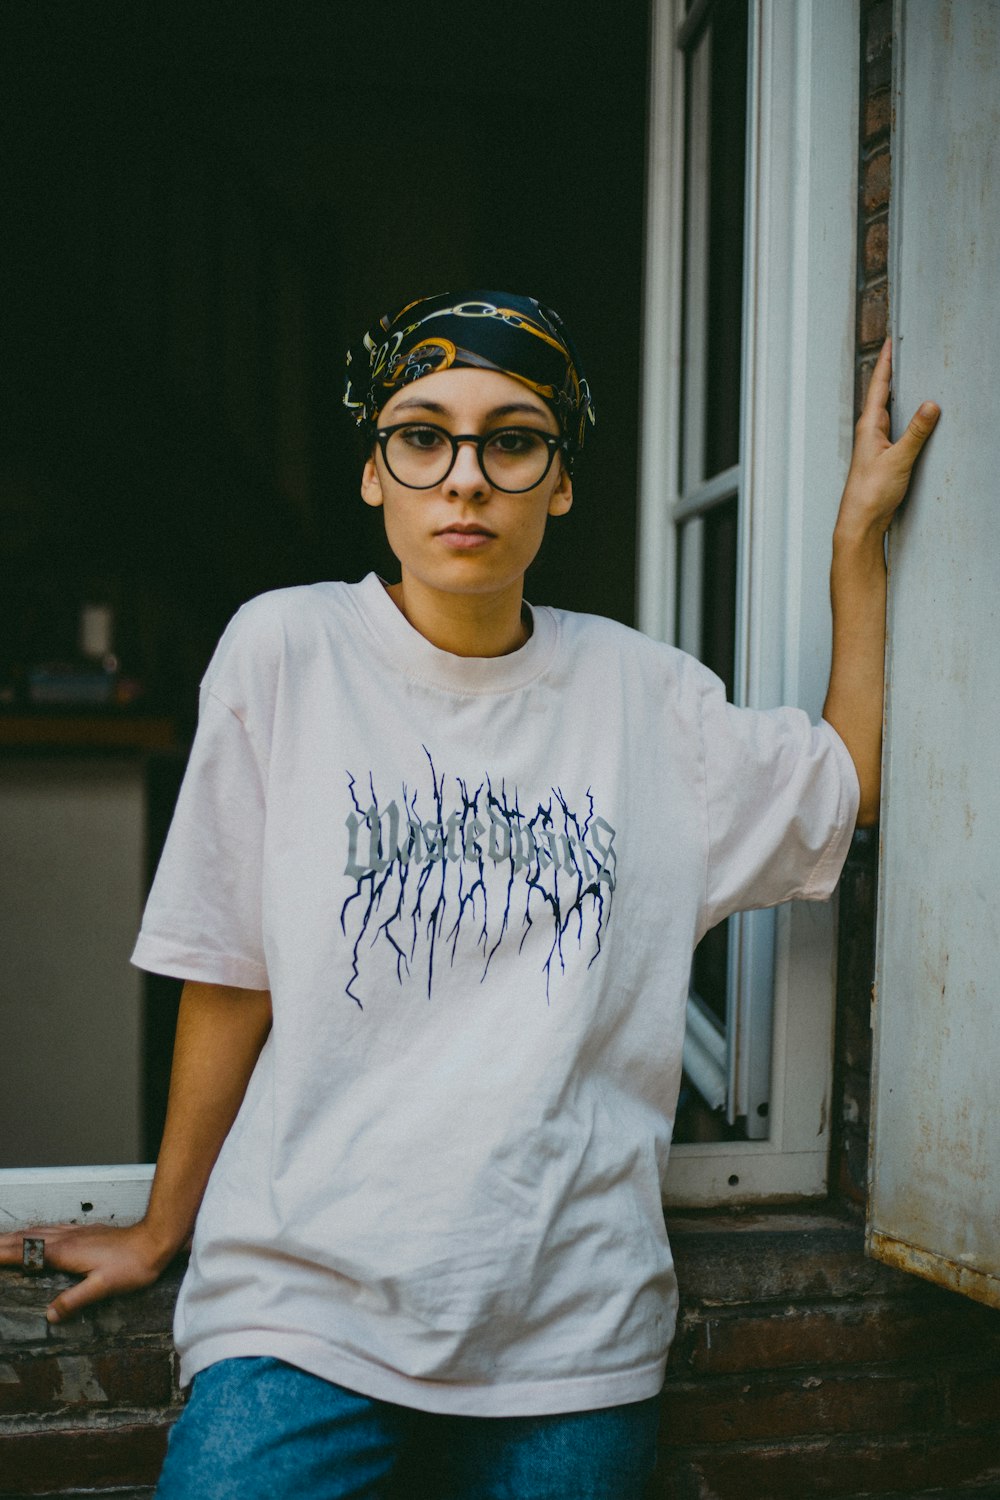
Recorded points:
(420, 454)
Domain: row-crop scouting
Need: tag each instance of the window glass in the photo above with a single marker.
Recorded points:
(718, 640)
(726, 172)
(715, 108)
(718, 592)
(715, 104)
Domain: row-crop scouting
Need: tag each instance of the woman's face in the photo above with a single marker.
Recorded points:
(463, 536)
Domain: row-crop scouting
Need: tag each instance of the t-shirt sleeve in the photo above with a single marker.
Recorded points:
(781, 804)
(203, 917)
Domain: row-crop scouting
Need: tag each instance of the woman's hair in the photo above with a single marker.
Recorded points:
(477, 330)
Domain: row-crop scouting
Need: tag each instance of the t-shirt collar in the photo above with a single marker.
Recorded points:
(409, 651)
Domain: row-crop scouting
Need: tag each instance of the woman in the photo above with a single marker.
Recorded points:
(434, 881)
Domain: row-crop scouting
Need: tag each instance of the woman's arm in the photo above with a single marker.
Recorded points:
(877, 481)
(220, 1032)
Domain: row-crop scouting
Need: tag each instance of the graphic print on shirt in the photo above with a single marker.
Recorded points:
(475, 868)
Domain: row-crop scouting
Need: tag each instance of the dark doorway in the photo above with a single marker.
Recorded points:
(204, 205)
(202, 212)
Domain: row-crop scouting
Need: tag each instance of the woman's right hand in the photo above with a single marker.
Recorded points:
(110, 1258)
(220, 1032)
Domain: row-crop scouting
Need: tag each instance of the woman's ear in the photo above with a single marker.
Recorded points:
(562, 496)
(371, 484)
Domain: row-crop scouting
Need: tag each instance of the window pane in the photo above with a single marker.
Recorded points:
(726, 174)
(718, 651)
(709, 970)
(718, 592)
(690, 582)
(714, 189)
(708, 550)
(694, 316)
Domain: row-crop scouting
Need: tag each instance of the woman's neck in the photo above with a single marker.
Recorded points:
(465, 624)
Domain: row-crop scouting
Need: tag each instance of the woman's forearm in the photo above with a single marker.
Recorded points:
(878, 479)
(220, 1033)
(854, 698)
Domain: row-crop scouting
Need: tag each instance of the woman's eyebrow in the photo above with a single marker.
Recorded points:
(507, 410)
(416, 401)
(516, 406)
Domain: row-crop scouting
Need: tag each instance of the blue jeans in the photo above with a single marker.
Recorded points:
(260, 1429)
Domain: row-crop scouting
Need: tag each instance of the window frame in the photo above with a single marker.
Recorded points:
(79, 1195)
(799, 338)
(730, 1064)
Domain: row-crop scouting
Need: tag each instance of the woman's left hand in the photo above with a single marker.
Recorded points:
(880, 469)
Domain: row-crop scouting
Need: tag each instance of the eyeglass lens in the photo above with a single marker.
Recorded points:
(514, 458)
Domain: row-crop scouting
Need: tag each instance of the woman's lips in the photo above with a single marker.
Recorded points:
(465, 538)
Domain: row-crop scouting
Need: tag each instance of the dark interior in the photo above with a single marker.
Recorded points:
(203, 205)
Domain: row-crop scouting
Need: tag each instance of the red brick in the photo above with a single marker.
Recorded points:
(725, 1411)
(775, 1256)
(863, 380)
(876, 181)
(874, 315)
(28, 1383)
(877, 33)
(878, 72)
(862, 1333)
(149, 1311)
(975, 1398)
(22, 1311)
(136, 1377)
(798, 1260)
(852, 1165)
(839, 1468)
(39, 1463)
(875, 254)
(878, 30)
(22, 1325)
(49, 1382)
(878, 115)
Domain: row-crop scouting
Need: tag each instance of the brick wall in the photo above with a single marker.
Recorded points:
(84, 1406)
(803, 1370)
(856, 949)
(875, 180)
(800, 1368)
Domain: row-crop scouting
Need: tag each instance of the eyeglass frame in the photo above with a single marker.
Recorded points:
(554, 444)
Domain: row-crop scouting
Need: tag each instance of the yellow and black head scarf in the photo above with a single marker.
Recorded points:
(481, 330)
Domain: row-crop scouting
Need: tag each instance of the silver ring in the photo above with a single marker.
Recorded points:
(32, 1254)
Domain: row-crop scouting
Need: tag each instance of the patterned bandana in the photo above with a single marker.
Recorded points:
(480, 330)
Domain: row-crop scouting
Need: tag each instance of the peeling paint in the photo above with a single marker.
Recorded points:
(934, 1201)
(79, 1383)
(972, 1282)
(22, 1326)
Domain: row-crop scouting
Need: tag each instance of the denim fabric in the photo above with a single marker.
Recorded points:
(259, 1429)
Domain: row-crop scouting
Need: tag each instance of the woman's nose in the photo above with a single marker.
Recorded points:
(466, 477)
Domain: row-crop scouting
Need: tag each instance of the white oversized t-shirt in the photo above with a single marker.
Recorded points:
(473, 887)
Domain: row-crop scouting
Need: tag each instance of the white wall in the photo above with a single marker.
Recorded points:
(71, 867)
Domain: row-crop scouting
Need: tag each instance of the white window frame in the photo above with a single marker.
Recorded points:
(730, 1066)
(74, 1195)
(796, 433)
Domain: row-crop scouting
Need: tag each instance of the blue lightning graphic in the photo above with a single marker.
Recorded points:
(423, 886)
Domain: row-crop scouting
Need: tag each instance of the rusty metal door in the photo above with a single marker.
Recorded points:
(935, 1160)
